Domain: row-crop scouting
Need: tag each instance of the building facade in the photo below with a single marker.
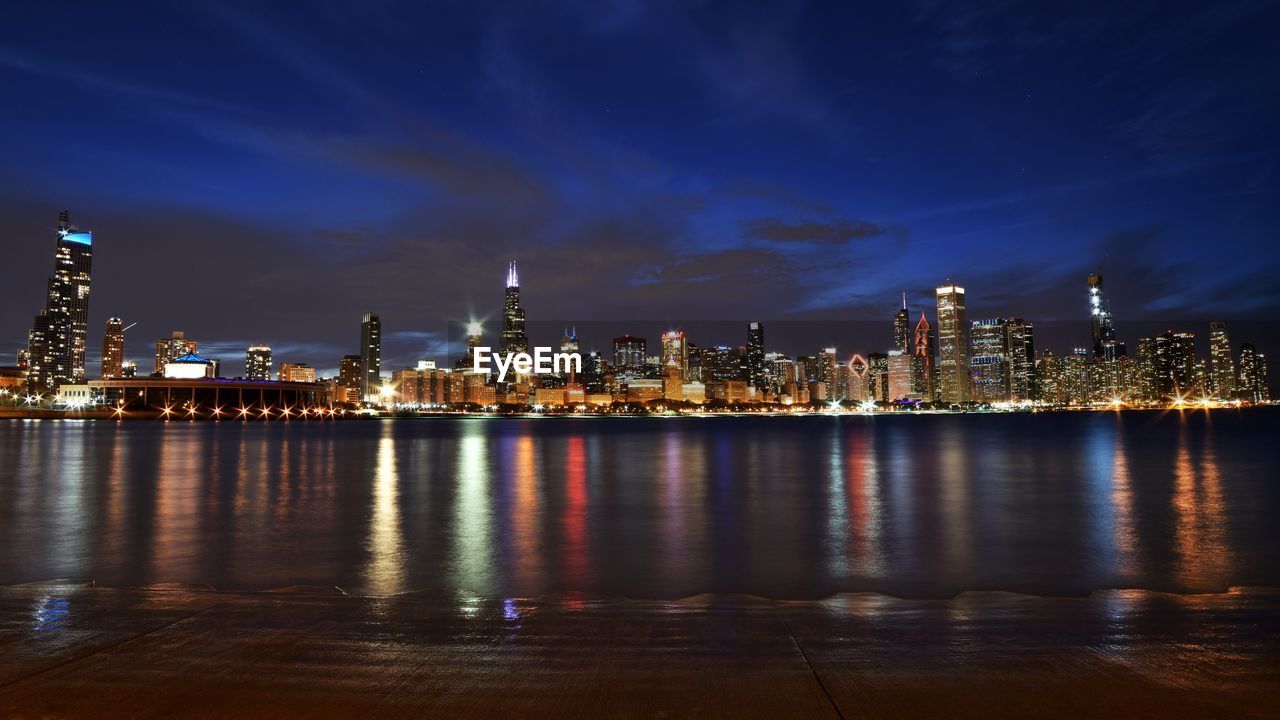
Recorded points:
(59, 334)
(113, 349)
(174, 346)
(1224, 367)
(257, 362)
(370, 356)
(953, 344)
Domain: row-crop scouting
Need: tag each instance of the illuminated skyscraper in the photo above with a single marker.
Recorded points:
(899, 376)
(1175, 365)
(629, 354)
(827, 373)
(113, 349)
(953, 345)
(58, 336)
(1224, 369)
(173, 347)
(757, 372)
(514, 338)
(675, 350)
(989, 360)
(370, 355)
(878, 377)
(1020, 341)
(859, 390)
(569, 344)
(257, 363)
(902, 329)
(922, 366)
(350, 377)
(1252, 385)
(1105, 345)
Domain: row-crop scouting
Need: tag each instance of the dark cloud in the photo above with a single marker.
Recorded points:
(811, 231)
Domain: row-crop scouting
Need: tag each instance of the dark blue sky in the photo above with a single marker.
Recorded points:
(269, 175)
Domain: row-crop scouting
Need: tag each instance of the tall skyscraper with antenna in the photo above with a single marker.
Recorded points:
(514, 338)
(902, 328)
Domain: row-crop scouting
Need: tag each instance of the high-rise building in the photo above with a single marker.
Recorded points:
(629, 354)
(1049, 386)
(1105, 345)
(514, 338)
(1075, 377)
(1252, 383)
(1020, 341)
(953, 344)
(756, 369)
(859, 389)
(902, 329)
(173, 347)
(370, 356)
(257, 362)
(113, 349)
(1148, 371)
(351, 378)
(922, 365)
(675, 350)
(57, 340)
(1224, 368)
(878, 377)
(1175, 367)
(989, 360)
(899, 376)
(827, 373)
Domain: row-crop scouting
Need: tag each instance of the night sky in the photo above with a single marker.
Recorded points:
(257, 175)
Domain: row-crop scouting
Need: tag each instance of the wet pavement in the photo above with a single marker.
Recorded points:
(70, 650)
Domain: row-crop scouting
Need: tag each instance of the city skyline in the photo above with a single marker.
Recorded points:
(988, 361)
(825, 169)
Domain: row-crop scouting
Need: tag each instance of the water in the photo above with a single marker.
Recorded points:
(787, 507)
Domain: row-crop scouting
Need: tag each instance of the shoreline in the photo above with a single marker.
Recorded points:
(140, 415)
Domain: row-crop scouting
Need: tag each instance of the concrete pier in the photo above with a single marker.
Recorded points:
(71, 650)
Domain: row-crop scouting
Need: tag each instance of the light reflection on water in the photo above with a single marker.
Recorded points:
(781, 507)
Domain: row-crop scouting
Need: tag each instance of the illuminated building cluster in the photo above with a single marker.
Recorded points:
(949, 363)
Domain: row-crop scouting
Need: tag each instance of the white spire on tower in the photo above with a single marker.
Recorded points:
(513, 278)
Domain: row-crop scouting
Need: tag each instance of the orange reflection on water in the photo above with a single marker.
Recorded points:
(527, 511)
(1203, 555)
(576, 558)
(865, 544)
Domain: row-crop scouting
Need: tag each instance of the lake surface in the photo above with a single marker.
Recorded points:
(785, 507)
